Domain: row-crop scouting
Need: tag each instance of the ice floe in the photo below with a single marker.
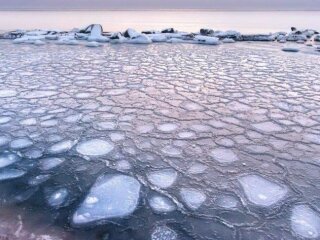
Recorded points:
(21, 143)
(224, 155)
(4, 140)
(161, 204)
(95, 147)
(7, 174)
(112, 196)
(58, 197)
(268, 127)
(34, 181)
(5, 119)
(61, 147)
(167, 127)
(227, 202)
(193, 198)
(305, 222)
(197, 168)
(261, 191)
(162, 178)
(163, 233)
(8, 158)
(28, 122)
(5, 93)
(290, 49)
(123, 165)
(50, 163)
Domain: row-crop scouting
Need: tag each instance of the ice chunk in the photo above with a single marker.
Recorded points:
(224, 155)
(5, 93)
(21, 143)
(186, 134)
(4, 140)
(38, 94)
(58, 197)
(197, 168)
(95, 147)
(267, 127)
(7, 174)
(158, 37)
(115, 137)
(227, 201)
(28, 122)
(5, 119)
(145, 128)
(49, 123)
(61, 147)
(167, 127)
(163, 178)
(193, 198)
(305, 222)
(228, 40)
(290, 49)
(39, 42)
(207, 40)
(141, 39)
(171, 151)
(8, 158)
(111, 196)
(38, 179)
(160, 204)
(191, 106)
(49, 163)
(116, 91)
(123, 165)
(93, 44)
(163, 233)
(261, 191)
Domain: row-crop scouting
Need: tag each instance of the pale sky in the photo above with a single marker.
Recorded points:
(163, 4)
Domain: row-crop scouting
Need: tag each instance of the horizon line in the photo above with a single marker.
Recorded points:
(164, 9)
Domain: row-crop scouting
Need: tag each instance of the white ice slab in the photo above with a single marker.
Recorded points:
(163, 178)
(261, 191)
(95, 147)
(112, 196)
(193, 198)
(305, 222)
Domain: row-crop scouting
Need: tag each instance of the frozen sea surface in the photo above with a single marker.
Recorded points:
(159, 142)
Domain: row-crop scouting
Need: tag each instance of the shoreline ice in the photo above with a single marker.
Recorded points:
(95, 37)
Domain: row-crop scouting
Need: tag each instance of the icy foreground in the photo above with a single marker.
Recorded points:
(159, 141)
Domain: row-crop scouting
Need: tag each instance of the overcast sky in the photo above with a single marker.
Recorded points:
(163, 4)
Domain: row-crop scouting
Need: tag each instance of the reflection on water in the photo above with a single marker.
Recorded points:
(247, 22)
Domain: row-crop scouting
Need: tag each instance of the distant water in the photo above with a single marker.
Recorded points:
(246, 22)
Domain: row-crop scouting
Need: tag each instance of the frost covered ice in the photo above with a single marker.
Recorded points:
(193, 198)
(7, 174)
(94, 147)
(163, 178)
(163, 233)
(8, 158)
(305, 222)
(58, 197)
(224, 155)
(111, 196)
(261, 191)
(161, 204)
